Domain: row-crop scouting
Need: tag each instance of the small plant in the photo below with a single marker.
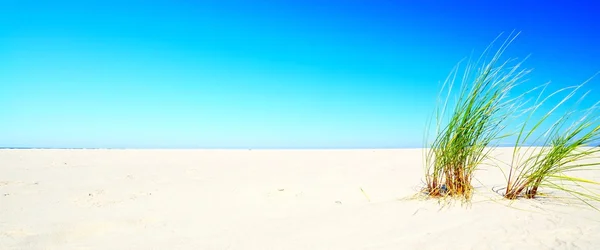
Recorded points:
(564, 147)
(464, 139)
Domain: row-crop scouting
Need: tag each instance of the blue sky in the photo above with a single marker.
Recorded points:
(262, 74)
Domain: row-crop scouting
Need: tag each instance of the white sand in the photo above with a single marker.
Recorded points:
(220, 199)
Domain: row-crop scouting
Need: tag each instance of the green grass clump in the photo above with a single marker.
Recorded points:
(466, 129)
(566, 144)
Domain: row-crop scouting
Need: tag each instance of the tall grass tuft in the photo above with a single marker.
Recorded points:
(466, 128)
(566, 144)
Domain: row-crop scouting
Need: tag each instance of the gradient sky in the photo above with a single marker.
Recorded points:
(262, 74)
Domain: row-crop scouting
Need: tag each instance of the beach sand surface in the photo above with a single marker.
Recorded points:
(269, 199)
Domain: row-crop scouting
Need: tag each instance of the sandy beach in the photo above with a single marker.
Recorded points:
(267, 199)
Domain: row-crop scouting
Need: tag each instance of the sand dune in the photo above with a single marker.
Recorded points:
(265, 199)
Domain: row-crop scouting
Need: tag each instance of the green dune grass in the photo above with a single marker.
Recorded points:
(466, 130)
(566, 144)
(469, 124)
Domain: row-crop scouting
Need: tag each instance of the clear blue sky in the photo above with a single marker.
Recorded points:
(261, 74)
